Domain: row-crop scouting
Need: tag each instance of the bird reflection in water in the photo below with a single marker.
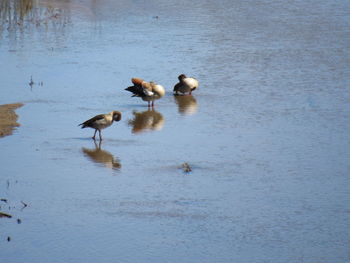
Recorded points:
(146, 121)
(100, 156)
(187, 104)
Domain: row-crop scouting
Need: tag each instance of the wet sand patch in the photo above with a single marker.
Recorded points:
(8, 118)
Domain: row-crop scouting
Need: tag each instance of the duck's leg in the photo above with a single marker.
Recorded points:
(192, 90)
(152, 103)
(99, 133)
(93, 137)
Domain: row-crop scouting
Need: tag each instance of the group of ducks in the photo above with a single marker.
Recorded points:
(147, 91)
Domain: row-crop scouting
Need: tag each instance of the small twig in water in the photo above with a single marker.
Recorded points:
(24, 204)
(2, 214)
(31, 83)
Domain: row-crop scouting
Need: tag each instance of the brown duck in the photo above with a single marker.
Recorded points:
(148, 91)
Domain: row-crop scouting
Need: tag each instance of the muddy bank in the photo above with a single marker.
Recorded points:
(8, 118)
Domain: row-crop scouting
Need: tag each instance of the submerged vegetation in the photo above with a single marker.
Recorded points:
(15, 11)
(18, 14)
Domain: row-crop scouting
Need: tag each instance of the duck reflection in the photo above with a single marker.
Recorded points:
(187, 104)
(146, 121)
(98, 155)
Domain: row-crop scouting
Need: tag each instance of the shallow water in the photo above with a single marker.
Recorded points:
(266, 134)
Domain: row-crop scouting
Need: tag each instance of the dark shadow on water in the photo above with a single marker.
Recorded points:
(110, 141)
(141, 106)
(99, 156)
(149, 120)
(187, 104)
(83, 138)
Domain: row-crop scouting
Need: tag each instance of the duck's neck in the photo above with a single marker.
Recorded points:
(181, 77)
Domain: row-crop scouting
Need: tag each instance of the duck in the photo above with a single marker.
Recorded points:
(185, 85)
(101, 121)
(148, 91)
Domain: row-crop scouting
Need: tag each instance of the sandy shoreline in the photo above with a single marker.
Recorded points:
(8, 118)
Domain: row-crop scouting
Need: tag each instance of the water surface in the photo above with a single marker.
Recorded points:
(266, 134)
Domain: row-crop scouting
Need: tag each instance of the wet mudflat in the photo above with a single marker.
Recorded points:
(265, 135)
(8, 118)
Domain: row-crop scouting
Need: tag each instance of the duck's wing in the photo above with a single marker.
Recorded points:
(148, 88)
(177, 86)
(136, 90)
(148, 93)
(140, 91)
(191, 82)
(92, 121)
(137, 81)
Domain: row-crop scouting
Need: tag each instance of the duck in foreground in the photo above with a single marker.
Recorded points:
(185, 85)
(148, 91)
(101, 121)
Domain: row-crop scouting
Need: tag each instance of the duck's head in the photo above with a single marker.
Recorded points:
(117, 116)
(181, 77)
(158, 89)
